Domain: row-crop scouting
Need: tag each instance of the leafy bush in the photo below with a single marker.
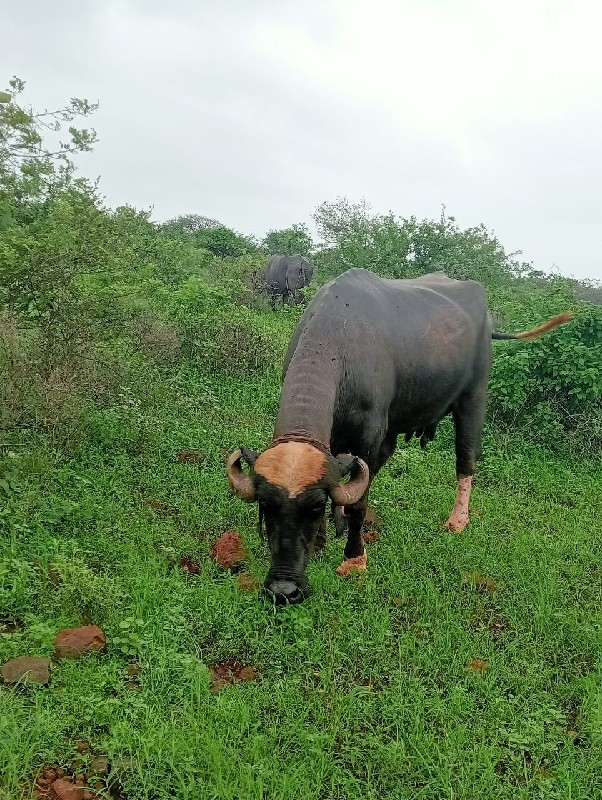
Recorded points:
(295, 240)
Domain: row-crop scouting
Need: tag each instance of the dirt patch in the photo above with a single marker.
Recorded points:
(86, 778)
(229, 550)
(56, 783)
(159, 507)
(371, 536)
(491, 619)
(480, 583)
(227, 673)
(8, 625)
(189, 457)
(190, 565)
(247, 582)
(478, 665)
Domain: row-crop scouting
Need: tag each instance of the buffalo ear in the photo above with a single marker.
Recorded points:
(346, 464)
(250, 456)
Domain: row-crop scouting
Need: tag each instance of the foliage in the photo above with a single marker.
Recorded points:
(292, 241)
(210, 235)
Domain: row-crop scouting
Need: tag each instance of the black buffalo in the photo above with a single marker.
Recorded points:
(370, 359)
(285, 276)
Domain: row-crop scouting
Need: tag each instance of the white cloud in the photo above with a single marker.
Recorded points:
(255, 112)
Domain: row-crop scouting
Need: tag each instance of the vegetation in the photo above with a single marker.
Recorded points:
(459, 666)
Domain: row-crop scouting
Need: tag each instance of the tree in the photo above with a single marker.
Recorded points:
(189, 223)
(295, 240)
(33, 157)
(53, 227)
(211, 235)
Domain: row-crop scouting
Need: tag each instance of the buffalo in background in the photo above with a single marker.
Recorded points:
(284, 276)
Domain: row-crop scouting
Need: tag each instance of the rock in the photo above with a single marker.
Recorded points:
(99, 765)
(34, 670)
(229, 550)
(75, 642)
(65, 789)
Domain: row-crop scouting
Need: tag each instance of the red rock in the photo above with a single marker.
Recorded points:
(229, 550)
(34, 670)
(65, 789)
(74, 642)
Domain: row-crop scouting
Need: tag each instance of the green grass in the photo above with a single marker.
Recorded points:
(364, 690)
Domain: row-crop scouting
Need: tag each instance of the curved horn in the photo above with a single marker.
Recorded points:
(345, 494)
(238, 480)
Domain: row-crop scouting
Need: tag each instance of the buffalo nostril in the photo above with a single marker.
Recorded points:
(281, 592)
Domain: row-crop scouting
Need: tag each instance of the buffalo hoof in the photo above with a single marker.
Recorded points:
(283, 592)
(357, 564)
(457, 522)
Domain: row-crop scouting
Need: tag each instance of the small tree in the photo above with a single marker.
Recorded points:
(295, 240)
(53, 228)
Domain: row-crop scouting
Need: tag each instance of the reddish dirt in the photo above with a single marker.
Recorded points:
(247, 582)
(75, 642)
(491, 619)
(159, 507)
(53, 783)
(31, 670)
(78, 782)
(190, 457)
(190, 565)
(478, 665)
(229, 550)
(350, 565)
(481, 583)
(226, 673)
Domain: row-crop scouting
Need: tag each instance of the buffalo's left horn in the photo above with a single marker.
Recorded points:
(345, 494)
(239, 480)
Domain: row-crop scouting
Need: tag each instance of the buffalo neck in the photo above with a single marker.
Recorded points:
(308, 396)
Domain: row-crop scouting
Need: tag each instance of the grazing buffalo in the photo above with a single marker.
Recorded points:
(284, 276)
(370, 359)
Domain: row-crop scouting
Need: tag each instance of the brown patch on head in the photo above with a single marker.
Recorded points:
(292, 466)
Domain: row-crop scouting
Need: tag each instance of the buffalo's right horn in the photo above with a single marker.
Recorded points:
(345, 494)
(239, 480)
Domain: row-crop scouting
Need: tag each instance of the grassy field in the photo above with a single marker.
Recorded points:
(461, 666)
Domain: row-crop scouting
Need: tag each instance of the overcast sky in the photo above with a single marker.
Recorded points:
(255, 111)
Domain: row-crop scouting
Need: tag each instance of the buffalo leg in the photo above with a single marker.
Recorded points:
(469, 416)
(355, 552)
